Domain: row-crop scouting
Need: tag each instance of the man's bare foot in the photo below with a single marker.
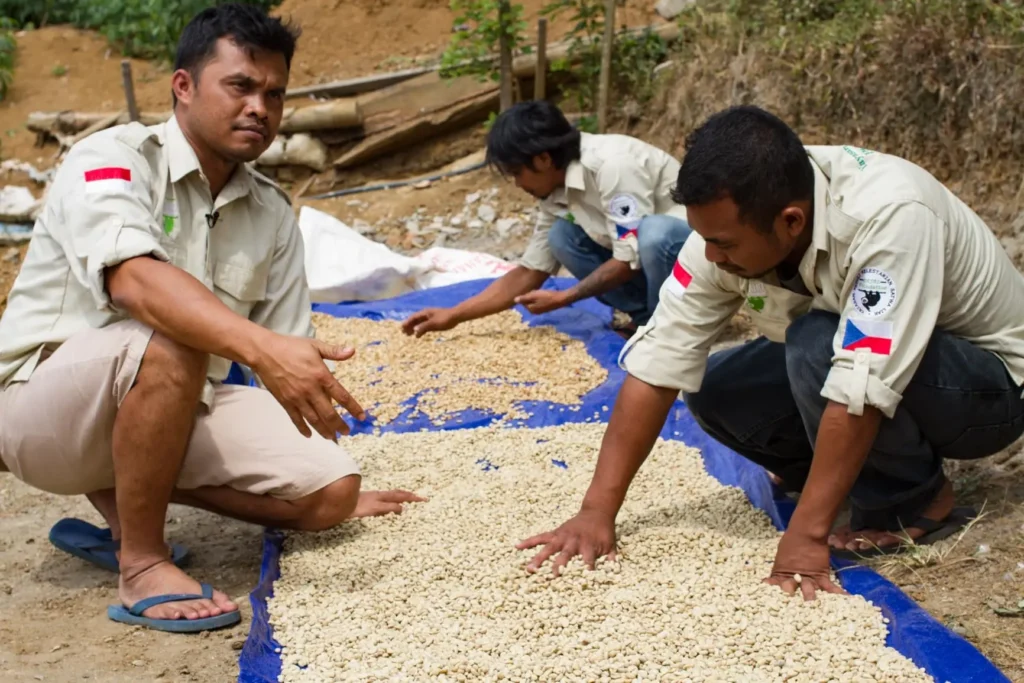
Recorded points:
(162, 578)
(844, 538)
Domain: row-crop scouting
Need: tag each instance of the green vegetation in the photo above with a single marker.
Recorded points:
(8, 48)
(138, 28)
(480, 26)
(937, 81)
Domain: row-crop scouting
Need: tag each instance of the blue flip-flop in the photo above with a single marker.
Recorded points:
(95, 545)
(133, 615)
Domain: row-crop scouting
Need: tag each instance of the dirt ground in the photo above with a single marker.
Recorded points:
(53, 625)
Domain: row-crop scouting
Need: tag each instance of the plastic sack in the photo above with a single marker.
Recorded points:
(342, 265)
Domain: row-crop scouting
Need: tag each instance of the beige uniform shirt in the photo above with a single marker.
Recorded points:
(132, 191)
(617, 181)
(894, 253)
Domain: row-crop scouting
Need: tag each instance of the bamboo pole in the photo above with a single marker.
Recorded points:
(541, 71)
(504, 56)
(129, 90)
(606, 66)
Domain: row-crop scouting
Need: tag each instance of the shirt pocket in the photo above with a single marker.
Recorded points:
(239, 286)
(773, 308)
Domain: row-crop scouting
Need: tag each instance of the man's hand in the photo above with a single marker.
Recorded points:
(293, 370)
(380, 503)
(542, 300)
(590, 534)
(429, 320)
(806, 556)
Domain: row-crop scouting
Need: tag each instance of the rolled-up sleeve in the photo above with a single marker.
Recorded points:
(538, 254)
(627, 196)
(890, 306)
(672, 350)
(108, 217)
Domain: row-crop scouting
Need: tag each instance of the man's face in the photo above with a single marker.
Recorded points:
(740, 248)
(541, 180)
(235, 107)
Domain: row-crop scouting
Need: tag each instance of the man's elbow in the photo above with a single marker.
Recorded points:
(124, 283)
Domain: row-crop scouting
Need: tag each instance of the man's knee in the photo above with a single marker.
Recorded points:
(660, 237)
(809, 350)
(328, 507)
(173, 366)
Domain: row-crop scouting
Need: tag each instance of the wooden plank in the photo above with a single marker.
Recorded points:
(357, 86)
(421, 128)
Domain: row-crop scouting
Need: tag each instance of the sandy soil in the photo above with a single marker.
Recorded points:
(52, 608)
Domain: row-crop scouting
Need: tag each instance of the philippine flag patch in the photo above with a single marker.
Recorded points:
(679, 280)
(110, 180)
(873, 335)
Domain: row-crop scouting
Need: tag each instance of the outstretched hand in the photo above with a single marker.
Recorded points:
(806, 558)
(380, 503)
(293, 371)
(590, 534)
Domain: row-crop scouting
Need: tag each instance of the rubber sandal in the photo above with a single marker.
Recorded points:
(133, 615)
(95, 545)
(934, 531)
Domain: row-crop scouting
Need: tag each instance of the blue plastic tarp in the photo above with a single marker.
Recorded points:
(912, 631)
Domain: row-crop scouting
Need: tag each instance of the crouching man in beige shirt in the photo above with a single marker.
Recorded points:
(893, 326)
(160, 257)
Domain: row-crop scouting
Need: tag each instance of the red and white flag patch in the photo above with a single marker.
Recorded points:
(110, 180)
(679, 280)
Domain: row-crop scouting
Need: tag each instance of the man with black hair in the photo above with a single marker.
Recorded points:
(159, 258)
(893, 326)
(605, 213)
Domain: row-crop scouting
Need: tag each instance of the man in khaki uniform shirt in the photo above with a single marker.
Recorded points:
(605, 213)
(160, 257)
(893, 328)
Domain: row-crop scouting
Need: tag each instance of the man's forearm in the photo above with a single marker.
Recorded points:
(500, 295)
(636, 421)
(843, 444)
(609, 275)
(177, 305)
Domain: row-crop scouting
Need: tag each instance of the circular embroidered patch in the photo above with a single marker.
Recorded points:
(874, 293)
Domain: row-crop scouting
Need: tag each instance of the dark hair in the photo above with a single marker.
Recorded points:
(750, 156)
(527, 130)
(246, 25)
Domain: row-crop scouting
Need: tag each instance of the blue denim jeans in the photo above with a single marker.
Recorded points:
(763, 400)
(659, 239)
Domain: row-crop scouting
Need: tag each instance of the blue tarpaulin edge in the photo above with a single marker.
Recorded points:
(912, 631)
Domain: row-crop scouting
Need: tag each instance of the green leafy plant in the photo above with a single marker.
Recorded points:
(139, 28)
(480, 26)
(58, 71)
(8, 54)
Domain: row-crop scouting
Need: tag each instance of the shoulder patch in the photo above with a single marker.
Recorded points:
(264, 180)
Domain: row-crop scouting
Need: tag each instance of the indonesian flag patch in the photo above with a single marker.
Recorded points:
(110, 180)
(679, 280)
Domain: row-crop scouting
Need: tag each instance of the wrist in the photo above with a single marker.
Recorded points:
(809, 527)
(252, 347)
(600, 506)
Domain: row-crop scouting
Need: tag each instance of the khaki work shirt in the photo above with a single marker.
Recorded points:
(138, 191)
(894, 253)
(617, 181)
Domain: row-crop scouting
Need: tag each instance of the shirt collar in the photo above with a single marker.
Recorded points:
(182, 161)
(819, 236)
